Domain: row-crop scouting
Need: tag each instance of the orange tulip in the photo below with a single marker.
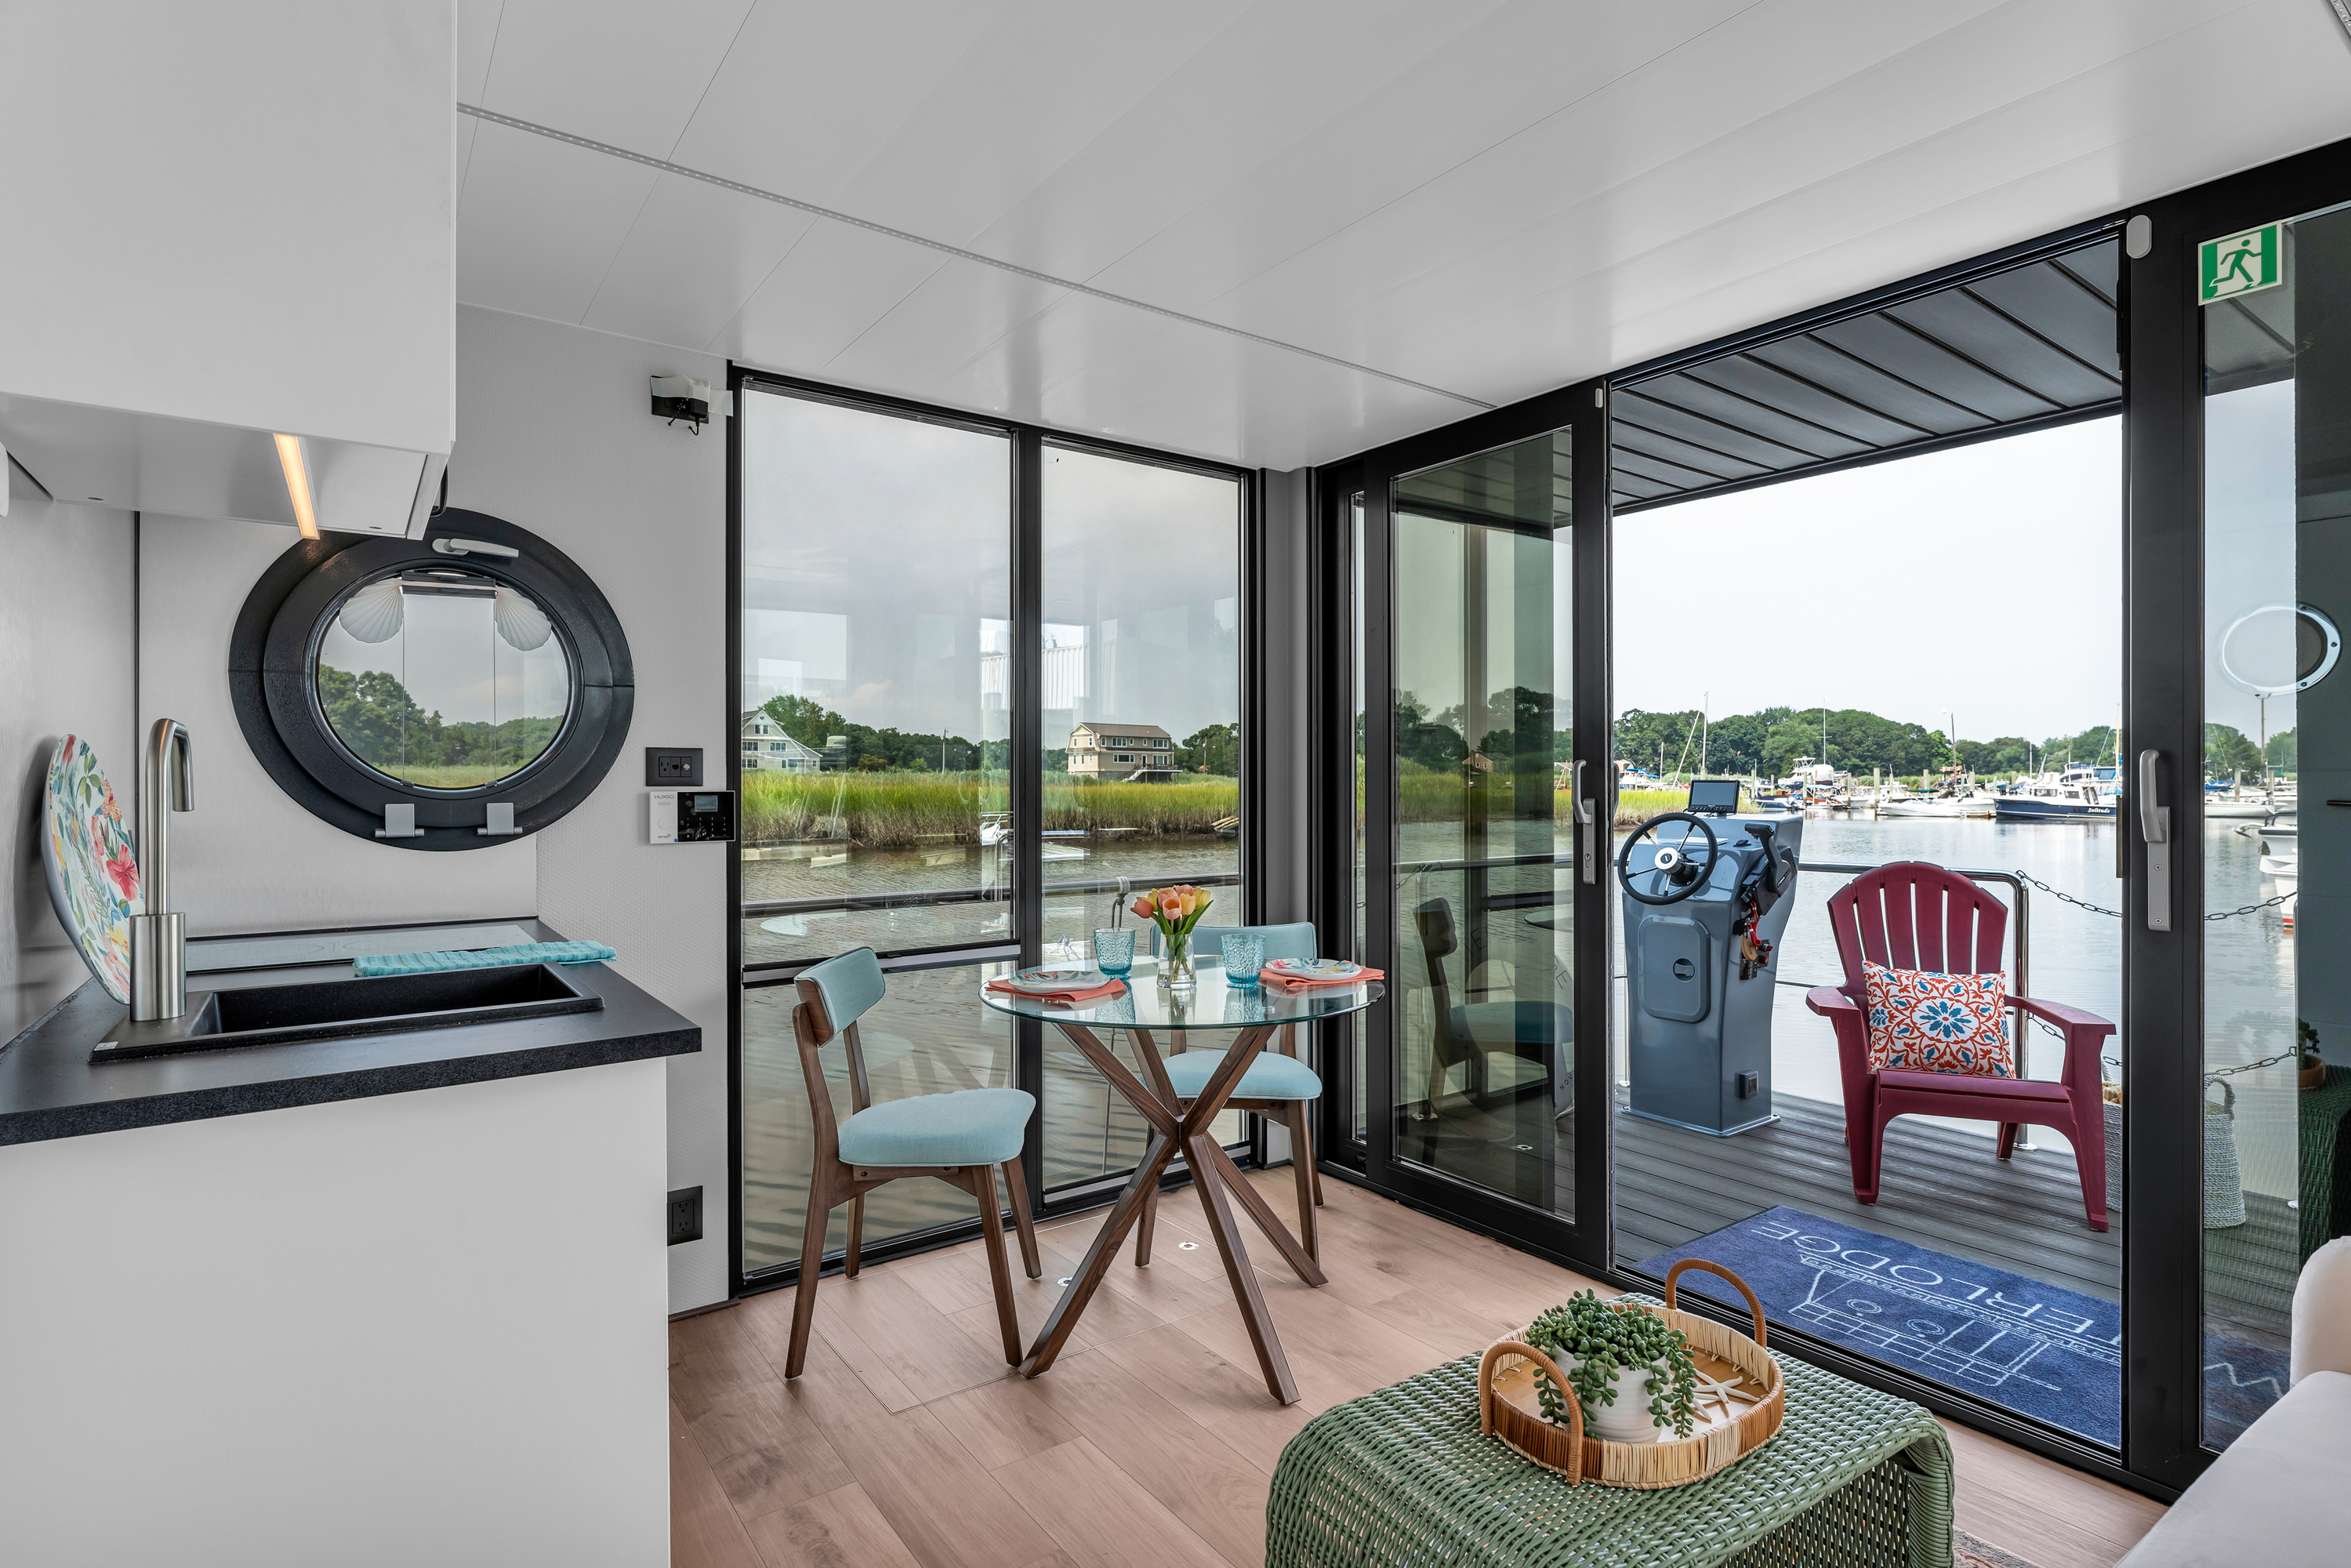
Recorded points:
(1143, 908)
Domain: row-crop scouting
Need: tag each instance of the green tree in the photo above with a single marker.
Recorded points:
(2282, 751)
(806, 720)
(2228, 751)
(1214, 748)
(1424, 742)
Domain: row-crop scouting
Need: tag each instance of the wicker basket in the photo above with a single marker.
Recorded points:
(1509, 1409)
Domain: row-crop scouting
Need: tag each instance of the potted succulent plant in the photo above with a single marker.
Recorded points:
(1630, 1369)
(2309, 1065)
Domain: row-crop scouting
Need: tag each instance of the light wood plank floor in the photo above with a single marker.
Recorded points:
(908, 1441)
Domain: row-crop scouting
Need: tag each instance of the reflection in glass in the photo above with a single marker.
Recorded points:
(442, 678)
(875, 707)
(2277, 570)
(1355, 789)
(1484, 1063)
(928, 1035)
(1141, 734)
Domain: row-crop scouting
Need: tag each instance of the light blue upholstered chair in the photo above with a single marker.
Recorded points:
(1279, 1085)
(960, 1137)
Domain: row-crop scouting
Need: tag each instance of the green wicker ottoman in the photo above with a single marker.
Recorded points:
(2322, 1113)
(1856, 1478)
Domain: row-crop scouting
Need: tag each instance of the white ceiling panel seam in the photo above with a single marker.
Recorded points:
(665, 166)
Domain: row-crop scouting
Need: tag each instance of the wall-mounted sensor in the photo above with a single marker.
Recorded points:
(682, 397)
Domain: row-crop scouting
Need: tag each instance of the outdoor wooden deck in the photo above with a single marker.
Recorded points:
(1941, 1188)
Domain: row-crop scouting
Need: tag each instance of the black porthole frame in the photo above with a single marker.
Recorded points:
(270, 682)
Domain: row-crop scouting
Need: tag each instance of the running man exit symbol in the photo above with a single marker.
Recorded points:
(2243, 263)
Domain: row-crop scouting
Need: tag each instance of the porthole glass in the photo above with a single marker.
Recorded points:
(443, 679)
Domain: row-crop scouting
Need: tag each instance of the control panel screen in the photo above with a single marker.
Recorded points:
(1717, 796)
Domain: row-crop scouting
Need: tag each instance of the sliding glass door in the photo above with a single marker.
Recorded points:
(1475, 573)
(1483, 1074)
(987, 677)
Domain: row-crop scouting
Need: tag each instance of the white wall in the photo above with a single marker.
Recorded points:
(65, 640)
(421, 1328)
(255, 212)
(555, 433)
(248, 858)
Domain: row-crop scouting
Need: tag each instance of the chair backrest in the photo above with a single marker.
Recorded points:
(833, 996)
(1438, 941)
(1914, 915)
(1293, 940)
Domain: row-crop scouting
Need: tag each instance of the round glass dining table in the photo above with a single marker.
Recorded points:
(1237, 1022)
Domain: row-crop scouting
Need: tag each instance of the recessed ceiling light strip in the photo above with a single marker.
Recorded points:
(682, 172)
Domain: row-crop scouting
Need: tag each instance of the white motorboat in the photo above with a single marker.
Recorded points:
(1972, 803)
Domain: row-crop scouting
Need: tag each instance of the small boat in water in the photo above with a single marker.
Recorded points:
(2080, 794)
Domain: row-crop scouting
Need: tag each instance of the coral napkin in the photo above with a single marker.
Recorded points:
(1089, 994)
(1282, 982)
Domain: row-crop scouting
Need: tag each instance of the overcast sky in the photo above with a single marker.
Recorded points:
(1984, 580)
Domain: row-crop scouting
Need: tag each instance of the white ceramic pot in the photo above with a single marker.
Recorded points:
(1627, 1420)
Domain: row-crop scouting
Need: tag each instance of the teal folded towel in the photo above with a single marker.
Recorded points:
(379, 964)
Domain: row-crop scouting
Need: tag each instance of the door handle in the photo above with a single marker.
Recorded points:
(1585, 817)
(2155, 827)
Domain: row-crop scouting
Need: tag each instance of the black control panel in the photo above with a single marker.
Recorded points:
(692, 816)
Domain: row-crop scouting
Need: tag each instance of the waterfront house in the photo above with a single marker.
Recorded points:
(767, 746)
(1127, 753)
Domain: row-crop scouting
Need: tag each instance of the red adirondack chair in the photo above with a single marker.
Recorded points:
(1914, 915)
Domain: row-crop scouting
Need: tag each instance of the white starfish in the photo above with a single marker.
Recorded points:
(1723, 1390)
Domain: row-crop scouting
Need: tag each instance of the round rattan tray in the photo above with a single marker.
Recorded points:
(1729, 1427)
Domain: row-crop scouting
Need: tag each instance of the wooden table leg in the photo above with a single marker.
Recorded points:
(1300, 1261)
(1207, 1181)
(1082, 1284)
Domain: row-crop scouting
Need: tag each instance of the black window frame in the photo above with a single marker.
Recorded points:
(1029, 443)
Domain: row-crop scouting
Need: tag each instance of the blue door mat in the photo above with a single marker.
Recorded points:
(2041, 1350)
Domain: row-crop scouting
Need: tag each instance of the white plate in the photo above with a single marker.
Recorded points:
(1039, 981)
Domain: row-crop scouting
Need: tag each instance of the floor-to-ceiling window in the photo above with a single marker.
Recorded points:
(884, 665)
(1140, 724)
(876, 627)
(2277, 717)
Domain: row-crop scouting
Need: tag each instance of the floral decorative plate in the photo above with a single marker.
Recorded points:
(1060, 977)
(91, 865)
(1315, 969)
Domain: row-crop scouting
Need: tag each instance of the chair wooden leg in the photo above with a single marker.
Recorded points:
(1016, 1188)
(856, 1236)
(2008, 1131)
(1142, 1226)
(1302, 1166)
(999, 1268)
(820, 1210)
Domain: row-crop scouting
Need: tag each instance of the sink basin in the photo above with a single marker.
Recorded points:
(332, 1009)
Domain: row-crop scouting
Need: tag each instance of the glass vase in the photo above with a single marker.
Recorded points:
(1175, 976)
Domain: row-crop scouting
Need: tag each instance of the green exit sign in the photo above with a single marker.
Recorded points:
(2238, 264)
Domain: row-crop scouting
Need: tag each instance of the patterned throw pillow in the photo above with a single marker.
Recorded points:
(1924, 1021)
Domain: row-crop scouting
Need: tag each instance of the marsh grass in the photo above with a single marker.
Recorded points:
(454, 776)
(896, 810)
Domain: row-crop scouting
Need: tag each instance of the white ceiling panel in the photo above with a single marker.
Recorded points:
(540, 221)
(629, 74)
(1488, 198)
(958, 311)
(1410, 127)
(833, 284)
(695, 255)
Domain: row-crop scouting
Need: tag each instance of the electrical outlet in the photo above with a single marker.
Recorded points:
(673, 765)
(686, 1215)
(1750, 1085)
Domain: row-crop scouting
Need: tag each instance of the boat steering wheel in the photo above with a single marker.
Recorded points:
(1683, 875)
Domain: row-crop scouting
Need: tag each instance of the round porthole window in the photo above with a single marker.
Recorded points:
(470, 675)
(442, 678)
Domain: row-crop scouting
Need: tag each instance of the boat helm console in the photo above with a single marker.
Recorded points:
(1706, 898)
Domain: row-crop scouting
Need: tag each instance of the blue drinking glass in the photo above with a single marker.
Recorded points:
(1244, 956)
(1115, 952)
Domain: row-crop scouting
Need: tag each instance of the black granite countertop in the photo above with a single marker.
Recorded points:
(51, 1089)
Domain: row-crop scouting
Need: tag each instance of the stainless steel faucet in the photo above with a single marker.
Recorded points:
(159, 937)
